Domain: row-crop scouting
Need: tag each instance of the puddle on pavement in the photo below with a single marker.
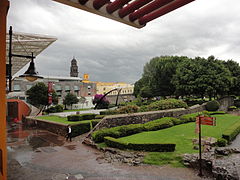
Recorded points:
(35, 138)
(16, 131)
(44, 139)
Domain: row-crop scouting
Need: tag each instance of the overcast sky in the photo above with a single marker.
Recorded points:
(112, 52)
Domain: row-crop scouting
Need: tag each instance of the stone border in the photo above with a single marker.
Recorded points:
(54, 127)
(143, 117)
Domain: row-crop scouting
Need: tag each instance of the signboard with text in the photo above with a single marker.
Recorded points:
(202, 120)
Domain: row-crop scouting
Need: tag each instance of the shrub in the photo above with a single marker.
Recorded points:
(81, 117)
(231, 108)
(120, 131)
(176, 121)
(158, 124)
(88, 116)
(230, 133)
(54, 109)
(212, 105)
(103, 104)
(83, 127)
(109, 112)
(167, 104)
(128, 109)
(188, 117)
(221, 142)
(143, 108)
(192, 102)
(116, 143)
(59, 108)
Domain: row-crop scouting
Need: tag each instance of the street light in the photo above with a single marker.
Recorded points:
(30, 74)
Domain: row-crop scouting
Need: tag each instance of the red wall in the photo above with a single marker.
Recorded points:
(23, 108)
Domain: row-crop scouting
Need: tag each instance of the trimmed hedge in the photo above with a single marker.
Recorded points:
(54, 109)
(83, 127)
(120, 131)
(108, 112)
(230, 133)
(188, 117)
(81, 117)
(158, 124)
(116, 143)
(126, 130)
(128, 109)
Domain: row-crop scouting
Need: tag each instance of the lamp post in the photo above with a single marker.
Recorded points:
(30, 74)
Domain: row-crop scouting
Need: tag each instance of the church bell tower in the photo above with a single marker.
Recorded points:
(74, 68)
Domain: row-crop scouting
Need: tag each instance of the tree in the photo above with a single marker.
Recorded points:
(38, 95)
(234, 69)
(202, 76)
(70, 99)
(103, 104)
(157, 76)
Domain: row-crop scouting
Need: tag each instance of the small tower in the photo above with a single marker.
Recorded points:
(74, 68)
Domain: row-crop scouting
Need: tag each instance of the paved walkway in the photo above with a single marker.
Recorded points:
(41, 155)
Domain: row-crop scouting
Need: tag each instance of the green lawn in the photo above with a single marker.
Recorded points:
(182, 135)
(60, 119)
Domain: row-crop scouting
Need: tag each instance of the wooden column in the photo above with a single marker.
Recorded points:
(4, 5)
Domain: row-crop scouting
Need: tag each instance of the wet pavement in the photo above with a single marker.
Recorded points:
(41, 155)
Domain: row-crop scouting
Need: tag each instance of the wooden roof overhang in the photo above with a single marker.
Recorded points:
(136, 13)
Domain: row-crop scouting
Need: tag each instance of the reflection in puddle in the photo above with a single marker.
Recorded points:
(17, 134)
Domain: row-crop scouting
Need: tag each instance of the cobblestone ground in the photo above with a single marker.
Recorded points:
(41, 155)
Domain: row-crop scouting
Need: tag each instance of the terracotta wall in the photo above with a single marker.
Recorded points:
(23, 109)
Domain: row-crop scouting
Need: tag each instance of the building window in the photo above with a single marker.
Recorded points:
(89, 87)
(67, 88)
(59, 93)
(16, 87)
(89, 93)
(76, 88)
(58, 88)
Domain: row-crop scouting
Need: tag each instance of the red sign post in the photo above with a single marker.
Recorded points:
(211, 121)
(50, 90)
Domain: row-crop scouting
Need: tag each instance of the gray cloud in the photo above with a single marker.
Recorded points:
(111, 51)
